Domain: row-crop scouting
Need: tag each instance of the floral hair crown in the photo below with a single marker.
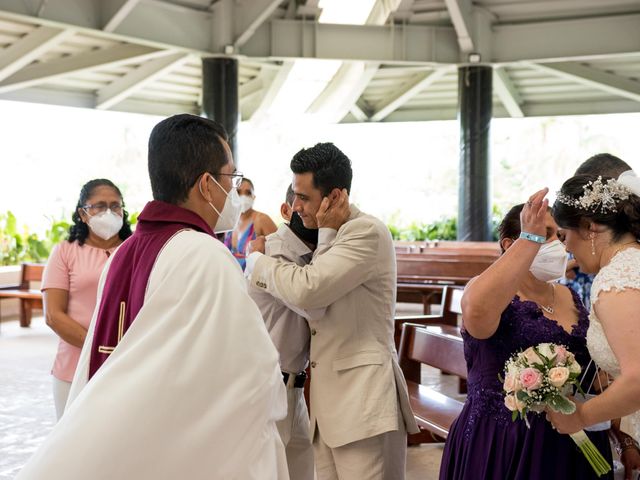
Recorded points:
(598, 196)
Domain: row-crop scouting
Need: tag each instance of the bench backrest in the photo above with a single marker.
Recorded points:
(452, 304)
(31, 272)
(442, 266)
(438, 346)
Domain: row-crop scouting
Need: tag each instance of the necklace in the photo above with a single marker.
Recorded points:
(549, 308)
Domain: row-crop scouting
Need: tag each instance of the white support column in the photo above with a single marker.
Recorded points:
(136, 80)
(29, 48)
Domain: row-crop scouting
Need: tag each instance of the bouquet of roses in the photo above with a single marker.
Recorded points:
(541, 377)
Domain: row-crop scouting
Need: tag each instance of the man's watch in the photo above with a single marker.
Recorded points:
(625, 444)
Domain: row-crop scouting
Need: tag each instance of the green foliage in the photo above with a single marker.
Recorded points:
(446, 228)
(19, 245)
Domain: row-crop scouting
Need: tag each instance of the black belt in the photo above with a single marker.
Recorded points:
(299, 380)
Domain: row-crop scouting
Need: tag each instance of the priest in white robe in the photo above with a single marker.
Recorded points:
(178, 377)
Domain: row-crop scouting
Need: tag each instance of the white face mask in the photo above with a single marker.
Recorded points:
(550, 263)
(106, 224)
(246, 203)
(228, 218)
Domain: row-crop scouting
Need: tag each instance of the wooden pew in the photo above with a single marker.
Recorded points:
(450, 310)
(422, 274)
(30, 299)
(440, 347)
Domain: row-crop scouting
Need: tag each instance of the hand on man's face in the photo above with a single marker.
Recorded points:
(334, 210)
(256, 245)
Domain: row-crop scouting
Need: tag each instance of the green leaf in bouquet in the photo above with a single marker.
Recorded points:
(562, 404)
(522, 395)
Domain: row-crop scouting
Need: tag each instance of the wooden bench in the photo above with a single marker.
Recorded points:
(30, 299)
(440, 347)
(450, 310)
(422, 274)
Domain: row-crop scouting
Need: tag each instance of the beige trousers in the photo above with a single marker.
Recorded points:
(382, 457)
(294, 433)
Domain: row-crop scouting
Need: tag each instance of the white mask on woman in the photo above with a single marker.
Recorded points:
(246, 203)
(228, 217)
(550, 263)
(106, 224)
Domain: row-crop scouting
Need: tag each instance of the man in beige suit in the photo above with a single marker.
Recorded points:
(360, 411)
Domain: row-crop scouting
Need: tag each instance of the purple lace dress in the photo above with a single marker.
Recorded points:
(483, 442)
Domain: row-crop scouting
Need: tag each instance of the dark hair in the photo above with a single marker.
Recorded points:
(181, 148)
(626, 218)
(330, 167)
(289, 196)
(510, 225)
(245, 179)
(79, 230)
(603, 164)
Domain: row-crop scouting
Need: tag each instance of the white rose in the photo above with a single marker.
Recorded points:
(558, 376)
(544, 349)
(510, 382)
(531, 356)
(513, 404)
(574, 367)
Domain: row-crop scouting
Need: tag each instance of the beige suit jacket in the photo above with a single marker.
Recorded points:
(357, 388)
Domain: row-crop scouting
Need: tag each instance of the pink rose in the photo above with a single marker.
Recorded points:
(558, 376)
(510, 383)
(513, 404)
(531, 356)
(530, 378)
(562, 355)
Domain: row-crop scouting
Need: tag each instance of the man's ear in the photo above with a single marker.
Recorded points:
(334, 195)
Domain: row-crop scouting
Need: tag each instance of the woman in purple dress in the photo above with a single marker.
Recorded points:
(513, 305)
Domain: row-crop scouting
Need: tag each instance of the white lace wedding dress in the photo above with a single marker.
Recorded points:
(622, 272)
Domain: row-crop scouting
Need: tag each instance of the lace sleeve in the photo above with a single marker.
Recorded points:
(622, 273)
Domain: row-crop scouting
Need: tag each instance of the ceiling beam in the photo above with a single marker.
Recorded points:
(43, 72)
(344, 90)
(507, 92)
(135, 80)
(541, 41)
(261, 10)
(460, 11)
(410, 89)
(594, 78)
(358, 113)
(566, 40)
(271, 90)
(376, 43)
(30, 47)
(115, 11)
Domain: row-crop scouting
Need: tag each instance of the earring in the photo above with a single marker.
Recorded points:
(593, 243)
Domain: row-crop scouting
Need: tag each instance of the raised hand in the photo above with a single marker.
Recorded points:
(334, 210)
(533, 215)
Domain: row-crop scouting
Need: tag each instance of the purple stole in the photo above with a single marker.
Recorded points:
(128, 275)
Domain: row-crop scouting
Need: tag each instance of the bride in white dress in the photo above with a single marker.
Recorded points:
(600, 222)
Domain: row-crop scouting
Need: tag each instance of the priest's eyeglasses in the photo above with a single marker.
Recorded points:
(236, 178)
(101, 207)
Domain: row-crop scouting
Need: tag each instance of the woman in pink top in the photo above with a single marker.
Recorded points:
(70, 280)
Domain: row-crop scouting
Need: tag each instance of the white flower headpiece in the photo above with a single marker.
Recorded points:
(602, 197)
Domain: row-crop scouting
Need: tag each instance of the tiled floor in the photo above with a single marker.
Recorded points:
(26, 403)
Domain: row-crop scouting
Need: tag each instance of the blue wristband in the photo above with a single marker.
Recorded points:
(533, 237)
